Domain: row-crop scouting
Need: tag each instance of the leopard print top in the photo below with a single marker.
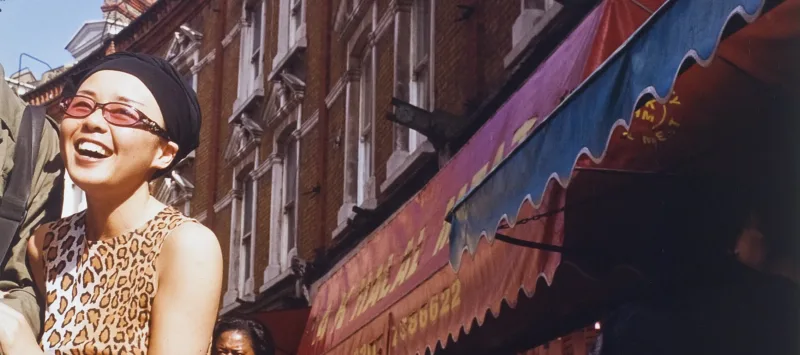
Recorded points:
(99, 294)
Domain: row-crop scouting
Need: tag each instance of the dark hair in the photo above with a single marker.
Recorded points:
(259, 336)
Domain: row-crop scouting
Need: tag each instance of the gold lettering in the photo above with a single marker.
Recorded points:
(498, 157)
(455, 291)
(385, 278)
(340, 313)
(322, 326)
(423, 318)
(433, 308)
(651, 104)
(478, 177)
(673, 123)
(362, 298)
(628, 135)
(373, 291)
(523, 131)
(660, 136)
(412, 324)
(404, 266)
(674, 100)
(413, 263)
(648, 140)
(462, 192)
(647, 116)
(444, 233)
(445, 302)
(403, 328)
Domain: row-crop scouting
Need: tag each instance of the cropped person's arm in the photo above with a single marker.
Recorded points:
(45, 206)
(189, 286)
(16, 336)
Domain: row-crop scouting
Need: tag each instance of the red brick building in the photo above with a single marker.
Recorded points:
(301, 155)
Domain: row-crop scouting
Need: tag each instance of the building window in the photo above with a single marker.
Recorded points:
(532, 19)
(250, 68)
(291, 32)
(183, 53)
(366, 117)
(246, 222)
(420, 88)
(255, 19)
(289, 219)
(295, 20)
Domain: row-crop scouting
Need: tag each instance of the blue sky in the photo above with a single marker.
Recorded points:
(41, 28)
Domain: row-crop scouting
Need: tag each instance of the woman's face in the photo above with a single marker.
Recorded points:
(98, 154)
(233, 342)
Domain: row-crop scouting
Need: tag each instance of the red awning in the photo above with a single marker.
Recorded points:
(397, 293)
(286, 328)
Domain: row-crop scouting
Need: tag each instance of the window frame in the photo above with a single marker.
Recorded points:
(289, 224)
(251, 58)
(246, 263)
(296, 20)
(420, 62)
(366, 126)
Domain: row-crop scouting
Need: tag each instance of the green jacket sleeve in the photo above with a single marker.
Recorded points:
(44, 206)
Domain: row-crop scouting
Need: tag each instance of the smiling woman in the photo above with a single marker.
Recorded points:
(129, 272)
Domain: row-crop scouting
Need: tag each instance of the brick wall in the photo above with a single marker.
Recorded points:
(476, 45)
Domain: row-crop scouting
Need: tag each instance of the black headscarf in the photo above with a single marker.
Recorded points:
(178, 101)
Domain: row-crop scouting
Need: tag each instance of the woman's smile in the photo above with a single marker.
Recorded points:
(92, 150)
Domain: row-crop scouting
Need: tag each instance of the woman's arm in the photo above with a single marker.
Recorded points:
(189, 286)
(16, 336)
(36, 261)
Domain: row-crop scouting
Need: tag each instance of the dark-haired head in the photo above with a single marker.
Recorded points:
(128, 118)
(244, 336)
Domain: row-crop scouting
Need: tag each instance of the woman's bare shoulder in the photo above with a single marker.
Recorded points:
(191, 242)
(46, 233)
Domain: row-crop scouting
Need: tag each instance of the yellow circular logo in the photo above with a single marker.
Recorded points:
(659, 125)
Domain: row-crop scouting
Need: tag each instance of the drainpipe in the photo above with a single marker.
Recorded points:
(323, 125)
(216, 108)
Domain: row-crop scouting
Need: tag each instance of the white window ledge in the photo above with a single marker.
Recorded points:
(282, 60)
(526, 28)
(401, 164)
(274, 277)
(344, 217)
(248, 294)
(245, 103)
(230, 301)
(346, 213)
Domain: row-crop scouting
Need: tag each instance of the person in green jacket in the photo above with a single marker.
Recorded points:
(44, 205)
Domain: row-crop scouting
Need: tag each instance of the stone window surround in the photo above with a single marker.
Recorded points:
(177, 183)
(280, 256)
(528, 25)
(251, 87)
(238, 290)
(360, 44)
(404, 158)
(284, 110)
(186, 60)
(289, 44)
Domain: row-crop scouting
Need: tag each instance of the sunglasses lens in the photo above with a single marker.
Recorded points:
(78, 106)
(121, 114)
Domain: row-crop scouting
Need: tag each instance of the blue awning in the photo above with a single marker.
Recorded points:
(681, 31)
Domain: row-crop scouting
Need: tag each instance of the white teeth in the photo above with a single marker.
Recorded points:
(93, 148)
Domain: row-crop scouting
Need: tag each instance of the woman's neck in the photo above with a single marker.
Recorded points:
(110, 214)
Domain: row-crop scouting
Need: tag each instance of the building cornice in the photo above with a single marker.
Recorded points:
(225, 201)
(309, 124)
